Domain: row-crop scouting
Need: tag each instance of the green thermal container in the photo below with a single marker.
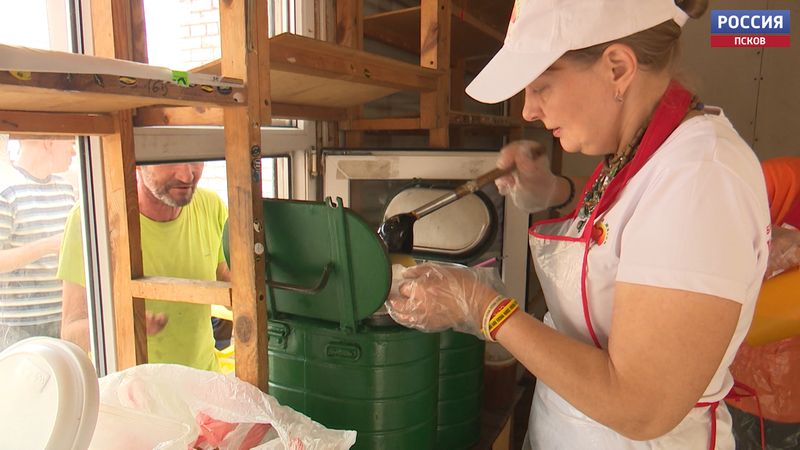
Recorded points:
(329, 356)
(381, 381)
(460, 386)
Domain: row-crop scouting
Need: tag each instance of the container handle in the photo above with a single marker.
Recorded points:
(323, 281)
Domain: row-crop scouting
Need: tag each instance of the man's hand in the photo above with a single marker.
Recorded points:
(155, 322)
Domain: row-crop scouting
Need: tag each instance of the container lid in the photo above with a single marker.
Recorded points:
(323, 262)
(50, 395)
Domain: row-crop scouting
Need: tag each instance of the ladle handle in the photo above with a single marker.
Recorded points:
(465, 189)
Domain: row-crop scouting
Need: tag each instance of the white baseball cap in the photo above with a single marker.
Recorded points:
(541, 31)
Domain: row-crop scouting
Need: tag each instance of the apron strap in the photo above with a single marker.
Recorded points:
(738, 391)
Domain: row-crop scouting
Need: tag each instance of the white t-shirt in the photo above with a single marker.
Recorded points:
(695, 218)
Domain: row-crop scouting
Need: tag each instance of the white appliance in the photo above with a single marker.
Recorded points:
(368, 180)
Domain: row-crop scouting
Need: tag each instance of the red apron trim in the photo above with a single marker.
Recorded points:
(732, 395)
(585, 295)
(667, 116)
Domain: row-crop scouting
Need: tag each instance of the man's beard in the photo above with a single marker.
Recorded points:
(162, 194)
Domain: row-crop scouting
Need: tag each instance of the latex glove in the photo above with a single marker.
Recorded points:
(532, 185)
(784, 251)
(433, 297)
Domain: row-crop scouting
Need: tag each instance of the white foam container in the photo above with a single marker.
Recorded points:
(49, 396)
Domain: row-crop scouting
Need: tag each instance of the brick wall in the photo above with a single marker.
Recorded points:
(199, 32)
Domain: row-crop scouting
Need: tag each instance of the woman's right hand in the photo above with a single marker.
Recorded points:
(532, 185)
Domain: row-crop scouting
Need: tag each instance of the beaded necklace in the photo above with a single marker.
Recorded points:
(612, 165)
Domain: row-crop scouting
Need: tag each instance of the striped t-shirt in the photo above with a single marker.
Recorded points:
(31, 209)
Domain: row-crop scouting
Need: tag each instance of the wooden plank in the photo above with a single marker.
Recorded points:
(110, 31)
(182, 290)
(383, 124)
(243, 158)
(25, 122)
(64, 92)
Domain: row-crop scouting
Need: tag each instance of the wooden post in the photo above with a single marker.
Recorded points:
(138, 32)
(112, 38)
(516, 103)
(434, 53)
(350, 33)
(243, 26)
(457, 87)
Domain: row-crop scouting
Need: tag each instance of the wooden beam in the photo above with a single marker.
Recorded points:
(111, 36)
(177, 116)
(67, 92)
(392, 123)
(202, 116)
(288, 111)
(55, 123)
(350, 23)
(515, 106)
(183, 290)
(457, 86)
(240, 59)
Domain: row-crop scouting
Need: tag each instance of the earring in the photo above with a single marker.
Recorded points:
(618, 97)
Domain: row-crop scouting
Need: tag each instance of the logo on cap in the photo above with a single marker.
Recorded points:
(750, 28)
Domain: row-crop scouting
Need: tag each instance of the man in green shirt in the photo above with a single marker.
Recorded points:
(181, 234)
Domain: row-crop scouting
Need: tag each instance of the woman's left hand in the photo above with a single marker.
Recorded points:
(784, 251)
(433, 298)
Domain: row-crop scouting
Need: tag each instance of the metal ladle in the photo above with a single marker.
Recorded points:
(397, 232)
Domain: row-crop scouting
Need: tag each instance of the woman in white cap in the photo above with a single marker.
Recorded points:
(651, 277)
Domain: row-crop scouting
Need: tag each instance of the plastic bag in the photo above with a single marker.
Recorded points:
(216, 411)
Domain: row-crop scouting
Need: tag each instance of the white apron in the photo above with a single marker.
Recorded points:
(561, 265)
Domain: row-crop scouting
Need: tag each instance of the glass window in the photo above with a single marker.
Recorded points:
(274, 178)
(39, 185)
(40, 24)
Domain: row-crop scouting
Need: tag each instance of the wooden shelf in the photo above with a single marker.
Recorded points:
(311, 79)
(471, 36)
(310, 72)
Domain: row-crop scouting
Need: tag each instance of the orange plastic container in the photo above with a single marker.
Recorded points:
(777, 314)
